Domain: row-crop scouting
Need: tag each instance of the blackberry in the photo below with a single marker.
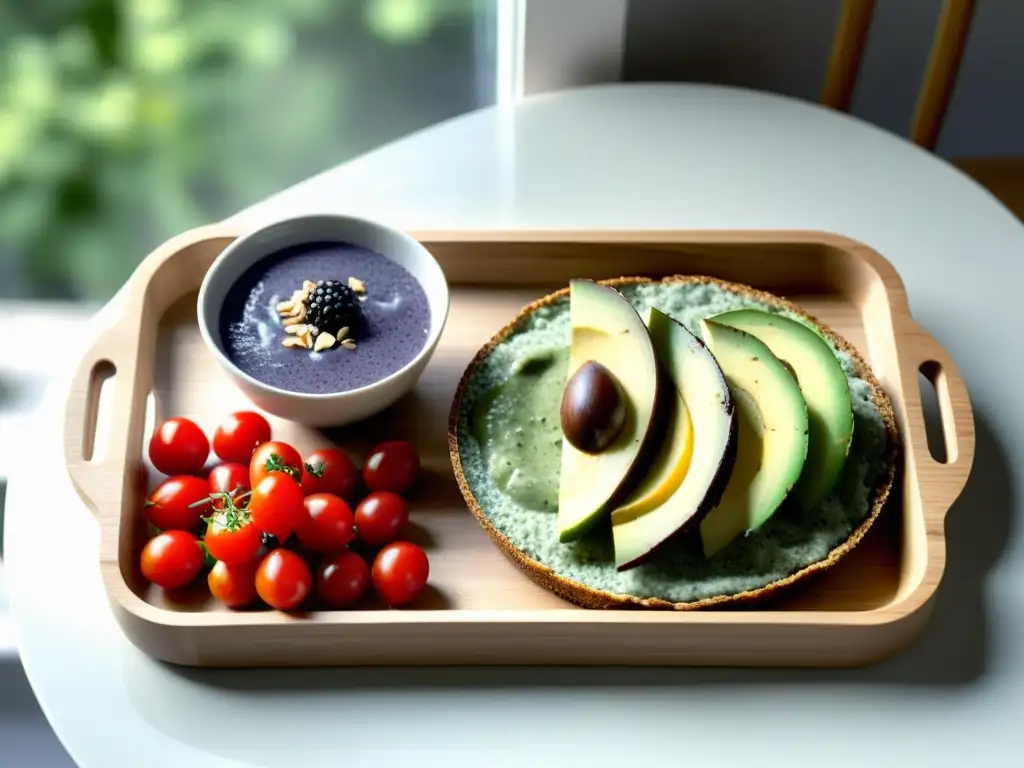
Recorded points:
(268, 544)
(331, 306)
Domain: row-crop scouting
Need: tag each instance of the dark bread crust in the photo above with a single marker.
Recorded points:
(589, 597)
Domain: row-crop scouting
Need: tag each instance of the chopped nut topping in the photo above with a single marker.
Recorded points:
(324, 341)
(301, 334)
(297, 318)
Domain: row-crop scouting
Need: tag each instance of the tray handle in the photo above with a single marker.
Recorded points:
(101, 480)
(941, 481)
(125, 351)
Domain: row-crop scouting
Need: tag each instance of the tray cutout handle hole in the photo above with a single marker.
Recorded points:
(101, 389)
(154, 412)
(938, 414)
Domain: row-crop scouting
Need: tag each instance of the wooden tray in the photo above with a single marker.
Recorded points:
(480, 608)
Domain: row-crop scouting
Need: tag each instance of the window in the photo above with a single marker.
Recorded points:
(124, 122)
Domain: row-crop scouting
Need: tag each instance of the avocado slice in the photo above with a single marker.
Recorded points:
(694, 462)
(824, 387)
(771, 435)
(669, 466)
(607, 329)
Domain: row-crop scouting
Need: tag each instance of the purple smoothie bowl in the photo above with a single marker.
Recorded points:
(400, 309)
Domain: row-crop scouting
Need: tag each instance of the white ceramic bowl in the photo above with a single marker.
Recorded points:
(336, 408)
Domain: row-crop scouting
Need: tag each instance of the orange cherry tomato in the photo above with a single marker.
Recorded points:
(283, 580)
(234, 585)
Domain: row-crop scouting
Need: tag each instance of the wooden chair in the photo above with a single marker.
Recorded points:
(940, 76)
(1004, 177)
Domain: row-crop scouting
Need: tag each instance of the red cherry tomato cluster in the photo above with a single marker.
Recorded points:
(277, 528)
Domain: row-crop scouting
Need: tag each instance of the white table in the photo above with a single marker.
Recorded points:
(23, 375)
(610, 157)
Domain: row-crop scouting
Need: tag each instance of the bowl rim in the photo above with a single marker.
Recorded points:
(306, 222)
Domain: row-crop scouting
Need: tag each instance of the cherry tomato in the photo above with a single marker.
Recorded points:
(232, 479)
(233, 585)
(380, 517)
(328, 470)
(178, 447)
(400, 572)
(172, 559)
(342, 578)
(232, 537)
(391, 466)
(276, 505)
(272, 457)
(169, 505)
(283, 580)
(325, 524)
(236, 438)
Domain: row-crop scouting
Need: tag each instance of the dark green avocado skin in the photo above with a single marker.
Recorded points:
(717, 484)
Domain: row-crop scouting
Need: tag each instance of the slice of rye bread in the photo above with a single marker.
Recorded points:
(589, 597)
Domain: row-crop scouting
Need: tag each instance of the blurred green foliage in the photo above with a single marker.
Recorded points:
(123, 122)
